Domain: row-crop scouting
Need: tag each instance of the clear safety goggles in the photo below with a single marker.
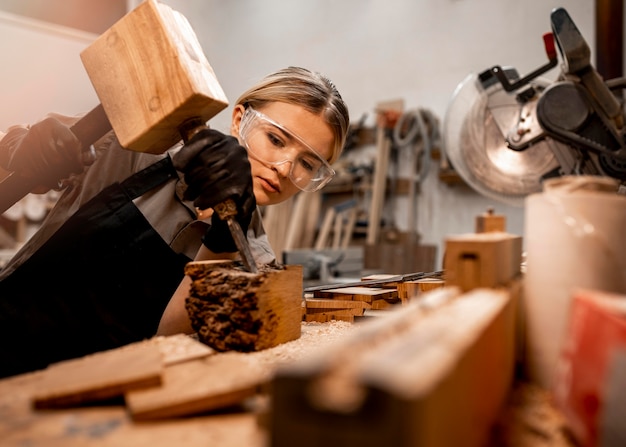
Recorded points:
(273, 144)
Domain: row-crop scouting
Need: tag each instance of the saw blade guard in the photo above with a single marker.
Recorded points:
(494, 142)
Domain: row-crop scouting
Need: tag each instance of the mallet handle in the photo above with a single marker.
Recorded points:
(88, 129)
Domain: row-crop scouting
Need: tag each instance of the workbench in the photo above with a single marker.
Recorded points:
(528, 420)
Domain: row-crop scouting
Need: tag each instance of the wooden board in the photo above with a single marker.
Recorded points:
(198, 386)
(435, 372)
(367, 294)
(150, 74)
(180, 348)
(99, 376)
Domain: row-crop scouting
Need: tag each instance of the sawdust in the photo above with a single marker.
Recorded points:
(315, 337)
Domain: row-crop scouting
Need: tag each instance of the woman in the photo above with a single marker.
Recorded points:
(106, 267)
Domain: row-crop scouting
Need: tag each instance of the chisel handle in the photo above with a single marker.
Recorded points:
(226, 210)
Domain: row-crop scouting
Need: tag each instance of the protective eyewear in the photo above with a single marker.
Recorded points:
(273, 144)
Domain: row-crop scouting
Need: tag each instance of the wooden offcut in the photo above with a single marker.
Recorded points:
(435, 373)
(489, 259)
(198, 386)
(412, 289)
(322, 310)
(99, 376)
(489, 222)
(367, 294)
(151, 75)
(232, 309)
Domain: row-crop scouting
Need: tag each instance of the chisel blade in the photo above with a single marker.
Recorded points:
(242, 245)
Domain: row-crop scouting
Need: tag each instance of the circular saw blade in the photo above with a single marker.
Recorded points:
(477, 148)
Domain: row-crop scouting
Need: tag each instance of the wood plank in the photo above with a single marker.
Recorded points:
(99, 376)
(198, 386)
(437, 371)
(367, 294)
(180, 348)
(328, 304)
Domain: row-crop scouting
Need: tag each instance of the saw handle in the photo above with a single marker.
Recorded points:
(88, 129)
(498, 72)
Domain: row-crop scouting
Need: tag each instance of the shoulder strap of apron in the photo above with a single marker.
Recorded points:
(150, 177)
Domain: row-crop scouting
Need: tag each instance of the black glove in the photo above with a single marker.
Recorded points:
(47, 152)
(216, 168)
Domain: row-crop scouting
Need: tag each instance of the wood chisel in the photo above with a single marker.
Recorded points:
(226, 210)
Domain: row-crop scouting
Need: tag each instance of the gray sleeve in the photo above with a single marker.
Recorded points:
(259, 243)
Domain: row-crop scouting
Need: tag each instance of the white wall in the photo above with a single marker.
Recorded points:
(41, 70)
(374, 50)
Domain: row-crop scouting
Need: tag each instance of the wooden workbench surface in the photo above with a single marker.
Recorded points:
(529, 419)
(112, 425)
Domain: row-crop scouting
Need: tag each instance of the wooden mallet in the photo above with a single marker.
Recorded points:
(155, 85)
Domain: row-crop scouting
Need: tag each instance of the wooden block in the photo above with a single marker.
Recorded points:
(150, 74)
(367, 294)
(489, 222)
(482, 260)
(197, 386)
(411, 289)
(332, 304)
(99, 376)
(432, 375)
(381, 304)
(232, 309)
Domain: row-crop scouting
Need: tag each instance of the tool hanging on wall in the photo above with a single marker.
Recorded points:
(413, 137)
(387, 115)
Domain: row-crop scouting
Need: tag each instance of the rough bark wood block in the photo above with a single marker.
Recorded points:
(367, 294)
(482, 259)
(150, 74)
(232, 309)
(99, 376)
(197, 386)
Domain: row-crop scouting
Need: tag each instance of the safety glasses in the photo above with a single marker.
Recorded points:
(273, 144)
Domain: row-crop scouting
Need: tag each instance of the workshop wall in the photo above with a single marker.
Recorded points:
(374, 50)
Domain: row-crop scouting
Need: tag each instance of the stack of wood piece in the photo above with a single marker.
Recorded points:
(350, 302)
(158, 378)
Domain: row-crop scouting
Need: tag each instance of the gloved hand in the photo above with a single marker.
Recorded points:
(47, 152)
(216, 168)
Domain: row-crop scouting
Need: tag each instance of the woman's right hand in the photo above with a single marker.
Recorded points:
(217, 168)
(46, 152)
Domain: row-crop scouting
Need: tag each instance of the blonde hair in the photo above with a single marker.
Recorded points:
(311, 90)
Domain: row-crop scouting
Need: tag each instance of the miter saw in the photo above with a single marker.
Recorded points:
(504, 134)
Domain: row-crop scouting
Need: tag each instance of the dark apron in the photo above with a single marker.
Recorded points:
(101, 281)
